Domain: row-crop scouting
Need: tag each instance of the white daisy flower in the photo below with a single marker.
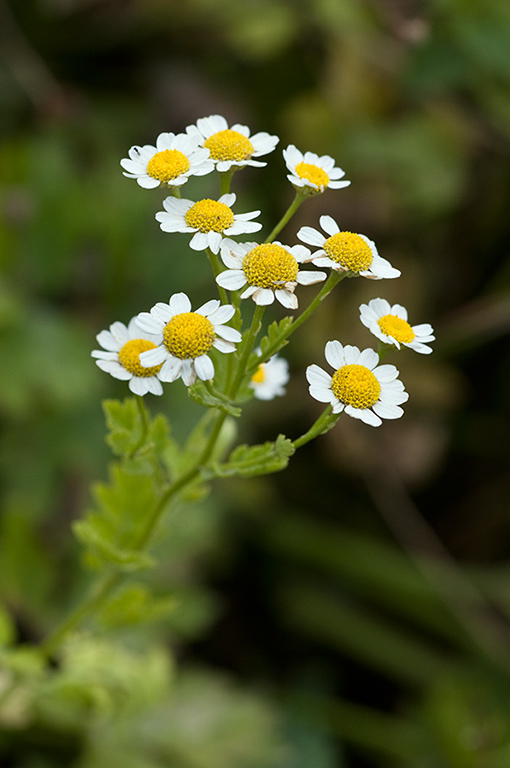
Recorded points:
(171, 162)
(121, 359)
(209, 220)
(271, 271)
(346, 251)
(270, 378)
(313, 172)
(184, 338)
(389, 324)
(231, 146)
(360, 387)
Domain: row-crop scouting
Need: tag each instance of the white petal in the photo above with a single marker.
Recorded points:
(334, 354)
(329, 225)
(369, 358)
(224, 346)
(364, 414)
(138, 385)
(107, 341)
(148, 324)
(204, 367)
(228, 333)
(153, 357)
(179, 303)
(171, 370)
(222, 314)
(263, 296)
(114, 368)
(188, 373)
(386, 373)
(309, 277)
(317, 377)
(286, 298)
(231, 279)
(311, 236)
(208, 308)
(388, 411)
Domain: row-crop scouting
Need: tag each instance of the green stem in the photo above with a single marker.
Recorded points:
(108, 582)
(225, 180)
(383, 350)
(326, 420)
(97, 594)
(216, 268)
(247, 348)
(326, 289)
(142, 410)
(298, 200)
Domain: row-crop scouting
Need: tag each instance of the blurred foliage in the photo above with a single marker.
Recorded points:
(352, 611)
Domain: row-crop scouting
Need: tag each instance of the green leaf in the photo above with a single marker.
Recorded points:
(275, 338)
(109, 531)
(127, 427)
(134, 604)
(249, 460)
(210, 398)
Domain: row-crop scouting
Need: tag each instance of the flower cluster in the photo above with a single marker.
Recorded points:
(172, 341)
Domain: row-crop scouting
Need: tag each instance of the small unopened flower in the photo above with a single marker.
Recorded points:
(121, 358)
(231, 146)
(270, 378)
(389, 324)
(359, 386)
(270, 270)
(312, 172)
(170, 163)
(183, 339)
(346, 251)
(210, 220)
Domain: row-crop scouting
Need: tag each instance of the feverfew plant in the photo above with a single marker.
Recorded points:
(222, 351)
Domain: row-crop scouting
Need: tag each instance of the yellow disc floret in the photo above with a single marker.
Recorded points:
(209, 215)
(129, 357)
(229, 145)
(188, 335)
(312, 173)
(397, 328)
(259, 375)
(350, 250)
(356, 385)
(167, 165)
(270, 266)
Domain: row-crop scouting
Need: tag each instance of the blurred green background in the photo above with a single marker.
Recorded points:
(353, 611)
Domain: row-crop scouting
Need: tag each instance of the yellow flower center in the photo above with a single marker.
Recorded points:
(129, 357)
(270, 266)
(188, 335)
(312, 173)
(349, 250)
(167, 165)
(356, 385)
(229, 145)
(207, 215)
(259, 375)
(398, 329)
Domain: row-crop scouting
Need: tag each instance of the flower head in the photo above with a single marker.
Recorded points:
(184, 338)
(121, 358)
(270, 378)
(209, 220)
(346, 251)
(231, 146)
(359, 386)
(171, 162)
(389, 324)
(271, 271)
(312, 173)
